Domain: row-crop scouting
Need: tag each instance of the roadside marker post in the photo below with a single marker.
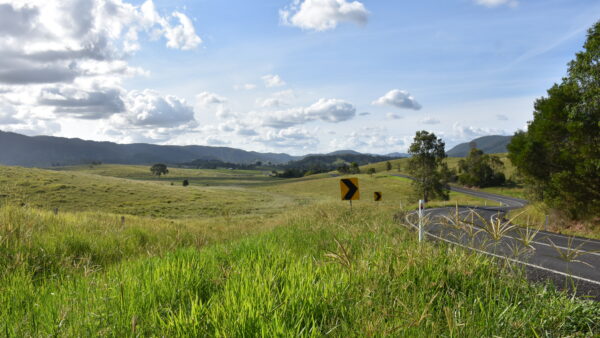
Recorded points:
(421, 207)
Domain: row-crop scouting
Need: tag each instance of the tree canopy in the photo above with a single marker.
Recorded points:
(480, 170)
(159, 169)
(559, 154)
(427, 166)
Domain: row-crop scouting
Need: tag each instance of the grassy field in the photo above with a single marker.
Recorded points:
(283, 258)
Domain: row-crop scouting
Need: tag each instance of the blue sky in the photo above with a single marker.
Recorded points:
(338, 74)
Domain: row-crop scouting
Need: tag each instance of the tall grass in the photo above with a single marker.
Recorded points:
(323, 271)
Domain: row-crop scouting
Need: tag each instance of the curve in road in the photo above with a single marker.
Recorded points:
(569, 262)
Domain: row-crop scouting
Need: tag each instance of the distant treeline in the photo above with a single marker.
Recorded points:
(313, 164)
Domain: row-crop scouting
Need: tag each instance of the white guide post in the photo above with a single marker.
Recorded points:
(421, 209)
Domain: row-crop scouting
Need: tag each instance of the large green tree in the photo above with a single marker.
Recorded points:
(480, 170)
(427, 166)
(559, 154)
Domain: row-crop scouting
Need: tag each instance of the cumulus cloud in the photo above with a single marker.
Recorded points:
(291, 138)
(364, 114)
(149, 108)
(69, 58)
(273, 81)
(182, 36)
(322, 15)
(398, 98)
(51, 41)
(328, 110)
(502, 117)
(97, 104)
(207, 98)
(496, 3)
(270, 103)
(394, 116)
(367, 139)
(32, 127)
(466, 133)
(430, 120)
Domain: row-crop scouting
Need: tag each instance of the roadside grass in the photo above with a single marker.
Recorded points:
(322, 271)
(536, 213)
(517, 192)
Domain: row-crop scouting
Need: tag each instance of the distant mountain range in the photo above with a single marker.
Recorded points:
(46, 151)
(488, 144)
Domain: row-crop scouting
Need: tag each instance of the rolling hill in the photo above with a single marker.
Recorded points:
(488, 144)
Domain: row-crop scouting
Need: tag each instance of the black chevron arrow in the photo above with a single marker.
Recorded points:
(352, 189)
(378, 196)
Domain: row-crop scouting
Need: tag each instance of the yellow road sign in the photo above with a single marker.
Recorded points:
(377, 196)
(349, 188)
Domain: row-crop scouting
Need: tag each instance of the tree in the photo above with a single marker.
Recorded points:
(343, 169)
(371, 171)
(427, 166)
(559, 154)
(159, 169)
(354, 169)
(186, 183)
(388, 166)
(480, 170)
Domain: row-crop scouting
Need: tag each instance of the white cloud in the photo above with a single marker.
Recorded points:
(466, 133)
(86, 104)
(246, 86)
(328, 110)
(225, 113)
(273, 81)
(398, 98)
(68, 59)
(496, 3)
(290, 138)
(394, 116)
(430, 120)
(322, 15)
(367, 139)
(182, 36)
(8, 113)
(502, 117)
(270, 103)
(148, 108)
(207, 98)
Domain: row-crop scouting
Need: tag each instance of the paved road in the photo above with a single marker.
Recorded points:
(567, 261)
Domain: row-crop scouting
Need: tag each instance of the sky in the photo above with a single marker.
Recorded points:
(294, 76)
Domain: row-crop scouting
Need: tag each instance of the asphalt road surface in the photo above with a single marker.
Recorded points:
(569, 262)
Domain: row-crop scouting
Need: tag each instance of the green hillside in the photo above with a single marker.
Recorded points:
(488, 144)
(243, 254)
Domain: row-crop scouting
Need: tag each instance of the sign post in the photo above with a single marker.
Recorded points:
(349, 189)
(421, 209)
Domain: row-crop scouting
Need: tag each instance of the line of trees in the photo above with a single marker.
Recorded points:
(559, 154)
